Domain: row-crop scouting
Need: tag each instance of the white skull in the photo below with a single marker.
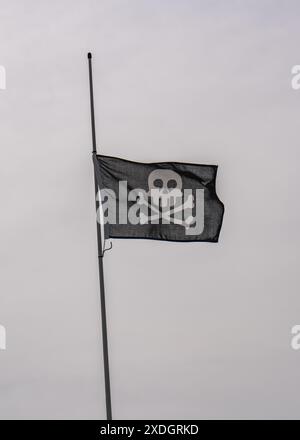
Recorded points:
(164, 186)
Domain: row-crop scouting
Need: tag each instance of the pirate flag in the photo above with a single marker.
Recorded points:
(161, 201)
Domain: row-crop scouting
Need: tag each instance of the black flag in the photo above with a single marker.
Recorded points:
(162, 201)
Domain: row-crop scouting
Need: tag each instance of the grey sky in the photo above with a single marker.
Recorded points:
(195, 330)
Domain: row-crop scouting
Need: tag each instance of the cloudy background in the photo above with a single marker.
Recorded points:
(195, 330)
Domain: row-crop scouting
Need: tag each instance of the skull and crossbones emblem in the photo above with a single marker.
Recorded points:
(165, 192)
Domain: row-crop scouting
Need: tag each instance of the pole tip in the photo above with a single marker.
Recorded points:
(89, 55)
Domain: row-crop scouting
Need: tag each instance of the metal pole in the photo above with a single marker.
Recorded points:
(100, 260)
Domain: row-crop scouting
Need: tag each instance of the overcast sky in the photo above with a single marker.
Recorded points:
(195, 330)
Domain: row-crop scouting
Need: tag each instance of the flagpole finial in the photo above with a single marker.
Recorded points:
(89, 55)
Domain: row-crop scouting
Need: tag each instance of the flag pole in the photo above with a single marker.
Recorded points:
(100, 260)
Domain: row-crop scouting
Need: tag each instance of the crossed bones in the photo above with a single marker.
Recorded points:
(166, 215)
